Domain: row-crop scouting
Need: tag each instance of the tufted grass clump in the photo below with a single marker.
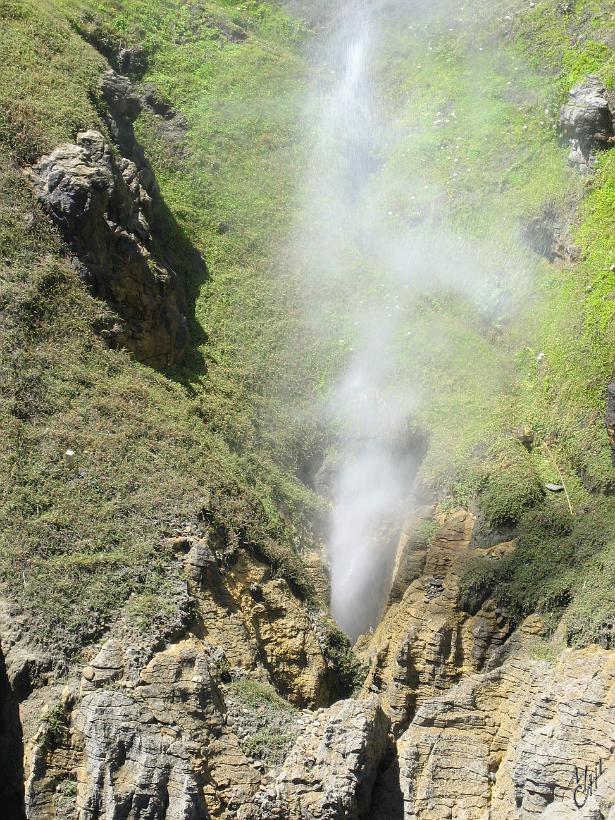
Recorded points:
(513, 486)
(256, 693)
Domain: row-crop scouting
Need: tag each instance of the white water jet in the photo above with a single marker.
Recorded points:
(362, 261)
(372, 481)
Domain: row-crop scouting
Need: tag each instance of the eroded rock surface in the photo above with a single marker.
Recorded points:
(11, 750)
(504, 744)
(108, 208)
(587, 121)
(330, 772)
(261, 626)
(425, 642)
(103, 205)
(459, 719)
(143, 731)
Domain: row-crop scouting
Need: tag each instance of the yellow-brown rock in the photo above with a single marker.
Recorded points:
(425, 643)
(263, 628)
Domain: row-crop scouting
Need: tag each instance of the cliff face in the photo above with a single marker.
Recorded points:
(226, 703)
(460, 717)
(11, 749)
(493, 730)
(425, 642)
(141, 731)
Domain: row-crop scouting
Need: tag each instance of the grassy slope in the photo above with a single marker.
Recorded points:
(499, 161)
(154, 453)
(219, 436)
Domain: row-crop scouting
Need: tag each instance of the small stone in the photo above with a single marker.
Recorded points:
(554, 488)
(88, 673)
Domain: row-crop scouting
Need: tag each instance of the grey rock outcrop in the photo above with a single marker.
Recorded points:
(330, 772)
(105, 208)
(505, 744)
(158, 748)
(587, 121)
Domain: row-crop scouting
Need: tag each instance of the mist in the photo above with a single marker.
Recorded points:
(366, 270)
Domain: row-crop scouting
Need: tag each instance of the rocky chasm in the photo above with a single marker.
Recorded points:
(458, 716)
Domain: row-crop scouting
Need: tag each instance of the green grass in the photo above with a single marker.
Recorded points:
(253, 693)
(153, 453)
(495, 165)
(219, 442)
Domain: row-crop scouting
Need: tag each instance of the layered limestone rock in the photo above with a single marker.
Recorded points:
(156, 747)
(330, 772)
(108, 208)
(144, 730)
(261, 627)
(425, 643)
(459, 720)
(513, 743)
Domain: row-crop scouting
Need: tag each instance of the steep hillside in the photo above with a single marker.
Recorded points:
(168, 358)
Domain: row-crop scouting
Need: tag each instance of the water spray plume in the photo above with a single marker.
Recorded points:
(373, 267)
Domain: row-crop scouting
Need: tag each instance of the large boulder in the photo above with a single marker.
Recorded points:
(587, 120)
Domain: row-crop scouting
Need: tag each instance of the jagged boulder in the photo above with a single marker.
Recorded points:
(105, 207)
(330, 772)
(587, 120)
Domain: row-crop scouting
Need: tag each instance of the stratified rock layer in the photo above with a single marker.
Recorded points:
(145, 731)
(504, 745)
(425, 642)
(460, 718)
(330, 772)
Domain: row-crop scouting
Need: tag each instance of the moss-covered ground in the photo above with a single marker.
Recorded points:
(222, 440)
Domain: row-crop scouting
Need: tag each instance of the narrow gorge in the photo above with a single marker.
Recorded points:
(307, 410)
